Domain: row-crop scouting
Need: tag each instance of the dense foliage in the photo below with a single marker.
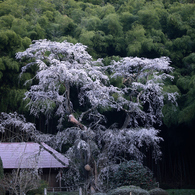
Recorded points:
(109, 28)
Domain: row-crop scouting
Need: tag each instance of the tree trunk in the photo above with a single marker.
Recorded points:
(67, 101)
(126, 122)
(96, 174)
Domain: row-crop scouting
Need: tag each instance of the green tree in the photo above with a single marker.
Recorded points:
(131, 6)
(189, 63)
(43, 21)
(6, 21)
(2, 67)
(158, 41)
(19, 26)
(66, 24)
(134, 40)
(187, 114)
(11, 90)
(5, 8)
(111, 25)
(86, 37)
(92, 23)
(175, 27)
(77, 15)
(95, 2)
(69, 6)
(92, 10)
(105, 10)
(127, 19)
(10, 42)
(102, 43)
(149, 19)
(179, 48)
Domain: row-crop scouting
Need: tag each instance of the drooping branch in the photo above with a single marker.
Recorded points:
(52, 153)
(86, 112)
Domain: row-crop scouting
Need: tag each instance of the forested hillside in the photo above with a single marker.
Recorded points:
(111, 29)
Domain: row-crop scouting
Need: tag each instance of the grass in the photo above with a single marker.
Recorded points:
(63, 193)
(181, 191)
(170, 192)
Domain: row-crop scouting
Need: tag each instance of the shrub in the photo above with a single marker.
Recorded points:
(134, 173)
(40, 190)
(2, 190)
(158, 191)
(125, 190)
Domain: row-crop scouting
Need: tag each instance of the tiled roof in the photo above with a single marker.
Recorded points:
(29, 155)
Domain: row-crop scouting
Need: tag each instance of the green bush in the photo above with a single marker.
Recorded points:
(134, 173)
(181, 191)
(125, 190)
(158, 191)
(40, 190)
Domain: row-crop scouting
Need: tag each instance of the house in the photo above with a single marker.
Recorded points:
(26, 155)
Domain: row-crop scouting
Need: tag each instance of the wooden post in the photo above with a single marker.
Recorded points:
(60, 179)
(80, 191)
(45, 191)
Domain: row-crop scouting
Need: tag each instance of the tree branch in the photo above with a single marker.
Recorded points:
(58, 159)
(86, 112)
(126, 122)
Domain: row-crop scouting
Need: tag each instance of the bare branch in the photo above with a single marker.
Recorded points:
(86, 112)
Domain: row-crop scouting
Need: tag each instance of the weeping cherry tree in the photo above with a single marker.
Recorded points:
(95, 148)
